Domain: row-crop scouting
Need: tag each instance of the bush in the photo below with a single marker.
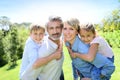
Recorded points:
(112, 38)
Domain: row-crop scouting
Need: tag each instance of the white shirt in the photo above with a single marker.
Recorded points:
(103, 47)
(50, 71)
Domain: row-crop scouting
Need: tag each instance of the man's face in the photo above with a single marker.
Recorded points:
(54, 30)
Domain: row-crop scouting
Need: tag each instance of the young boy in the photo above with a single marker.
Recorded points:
(97, 44)
(32, 46)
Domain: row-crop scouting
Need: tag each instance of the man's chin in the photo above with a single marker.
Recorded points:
(55, 38)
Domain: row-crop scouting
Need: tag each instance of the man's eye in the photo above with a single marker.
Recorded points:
(64, 28)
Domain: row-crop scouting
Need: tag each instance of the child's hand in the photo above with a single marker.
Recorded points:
(72, 54)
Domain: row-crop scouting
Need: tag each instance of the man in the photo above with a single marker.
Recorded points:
(49, 64)
(52, 65)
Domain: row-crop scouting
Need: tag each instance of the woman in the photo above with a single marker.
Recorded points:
(73, 41)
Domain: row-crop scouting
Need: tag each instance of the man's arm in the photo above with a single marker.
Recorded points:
(43, 61)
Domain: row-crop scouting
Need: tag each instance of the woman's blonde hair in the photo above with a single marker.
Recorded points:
(74, 22)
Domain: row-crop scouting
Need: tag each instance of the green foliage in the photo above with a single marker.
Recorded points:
(23, 35)
(110, 28)
(5, 22)
(2, 53)
(113, 38)
(112, 22)
(10, 46)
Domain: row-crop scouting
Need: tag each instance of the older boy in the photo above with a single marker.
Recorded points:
(32, 45)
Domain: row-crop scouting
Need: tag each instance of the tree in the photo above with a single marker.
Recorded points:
(11, 46)
(112, 22)
(5, 23)
(2, 53)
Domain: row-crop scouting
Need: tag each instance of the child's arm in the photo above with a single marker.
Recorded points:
(87, 57)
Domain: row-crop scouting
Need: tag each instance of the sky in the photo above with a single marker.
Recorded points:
(38, 11)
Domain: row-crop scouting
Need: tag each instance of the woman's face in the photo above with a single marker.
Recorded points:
(69, 33)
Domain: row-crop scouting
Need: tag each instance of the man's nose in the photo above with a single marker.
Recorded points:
(55, 30)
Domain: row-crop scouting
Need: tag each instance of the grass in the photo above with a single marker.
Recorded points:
(116, 74)
(13, 74)
(10, 74)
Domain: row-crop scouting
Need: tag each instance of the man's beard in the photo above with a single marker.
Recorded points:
(55, 38)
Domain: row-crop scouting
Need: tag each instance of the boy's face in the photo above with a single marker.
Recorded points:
(86, 36)
(37, 35)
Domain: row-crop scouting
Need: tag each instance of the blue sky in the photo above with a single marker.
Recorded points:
(38, 11)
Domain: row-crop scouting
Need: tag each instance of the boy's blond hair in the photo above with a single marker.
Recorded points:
(36, 27)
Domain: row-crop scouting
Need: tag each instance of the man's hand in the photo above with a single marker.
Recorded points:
(58, 52)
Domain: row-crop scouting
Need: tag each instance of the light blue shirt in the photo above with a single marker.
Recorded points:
(85, 67)
(30, 54)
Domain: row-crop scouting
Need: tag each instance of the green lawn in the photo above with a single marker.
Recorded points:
(13, 74)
